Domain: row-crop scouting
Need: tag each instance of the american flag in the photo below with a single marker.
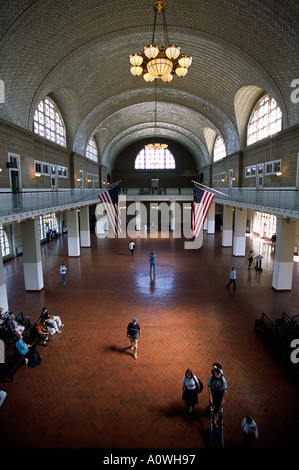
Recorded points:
(202, 201)
(109, 199)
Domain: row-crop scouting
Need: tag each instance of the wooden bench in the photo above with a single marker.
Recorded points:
(277, 337)
(13, 360)
(6, 334)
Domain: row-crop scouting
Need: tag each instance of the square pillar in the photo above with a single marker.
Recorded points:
(84, 227)
(73, 238)
(227, 226)
(211, 219)
(284, 253)
(240, 232)
(32, 259)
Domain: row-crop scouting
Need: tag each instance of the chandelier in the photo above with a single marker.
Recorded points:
(156, 145)
(160, 62)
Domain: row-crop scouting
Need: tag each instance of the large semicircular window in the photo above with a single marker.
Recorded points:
(154, 159)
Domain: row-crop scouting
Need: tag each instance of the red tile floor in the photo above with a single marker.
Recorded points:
(91, 393)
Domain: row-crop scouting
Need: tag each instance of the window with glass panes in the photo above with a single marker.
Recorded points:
(92, 150)
(219, 149)
(5, 248)
(48, 221)
(154, 159)
(265, 120)
(48, 122)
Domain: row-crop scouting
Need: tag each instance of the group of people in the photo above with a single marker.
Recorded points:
(48, 325)
(217, 388)
(192, 386)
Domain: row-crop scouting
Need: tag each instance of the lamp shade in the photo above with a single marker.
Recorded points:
(136, 71)
(172, 52)
(159, 66)
(181, 71)
(136, 59)
(151, 51)
(167, 78)
(185, 61)
(148, 77)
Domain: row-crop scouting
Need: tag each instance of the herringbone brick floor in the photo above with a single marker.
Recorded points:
(89, 391)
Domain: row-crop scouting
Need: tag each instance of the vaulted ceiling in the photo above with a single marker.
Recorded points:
(77, 52)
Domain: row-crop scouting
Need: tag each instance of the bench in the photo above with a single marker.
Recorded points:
(277, 337)
(288, 326)
(6, 334)
(13, 360)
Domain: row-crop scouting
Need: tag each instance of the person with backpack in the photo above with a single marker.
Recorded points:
(191, 386)
(217, 387)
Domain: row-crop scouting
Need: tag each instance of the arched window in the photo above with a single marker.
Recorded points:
(265, 120)
(5, 248)
(92, 150)
(219, 149)
(48, 122)
(154, 159)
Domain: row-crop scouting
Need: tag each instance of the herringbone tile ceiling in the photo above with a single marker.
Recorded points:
(78, 53)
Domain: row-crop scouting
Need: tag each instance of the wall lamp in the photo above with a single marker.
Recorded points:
(36, 175)
(280, 174)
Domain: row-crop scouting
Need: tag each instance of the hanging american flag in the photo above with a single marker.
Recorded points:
(202, 201)
(109, 199)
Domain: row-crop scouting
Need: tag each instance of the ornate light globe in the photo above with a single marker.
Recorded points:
(172, 52)
(148, 77)
(181, 71)
(167, 78)
(136, 71)
(185, 61)
(136, 60)
(159, 67)
(151, 51)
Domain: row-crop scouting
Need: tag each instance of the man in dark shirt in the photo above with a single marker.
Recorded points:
(133, 332)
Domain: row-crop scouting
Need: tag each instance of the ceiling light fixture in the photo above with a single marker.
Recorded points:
(160, 62)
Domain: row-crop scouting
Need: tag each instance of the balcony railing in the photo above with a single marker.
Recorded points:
(30, 201)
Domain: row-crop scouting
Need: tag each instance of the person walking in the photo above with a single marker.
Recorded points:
(250, 259)
(63, 270)
(233, 277)
(133, 333)
(250, 430)
(217, 387)
(132, 246)
(191, 386)
(152, 260)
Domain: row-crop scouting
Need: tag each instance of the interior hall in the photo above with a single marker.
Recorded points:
(175, 126)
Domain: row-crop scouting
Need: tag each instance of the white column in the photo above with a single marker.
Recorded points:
(240, 232)
(73, 238)
(32, 260)
(227, 226)
(84, 227)
(3, 290)
(211, 219)
(284, 252)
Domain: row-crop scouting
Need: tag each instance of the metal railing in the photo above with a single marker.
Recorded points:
(26, 201)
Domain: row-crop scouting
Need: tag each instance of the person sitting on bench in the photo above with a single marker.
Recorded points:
(23, 348)
(42, 332)
(14, 326)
